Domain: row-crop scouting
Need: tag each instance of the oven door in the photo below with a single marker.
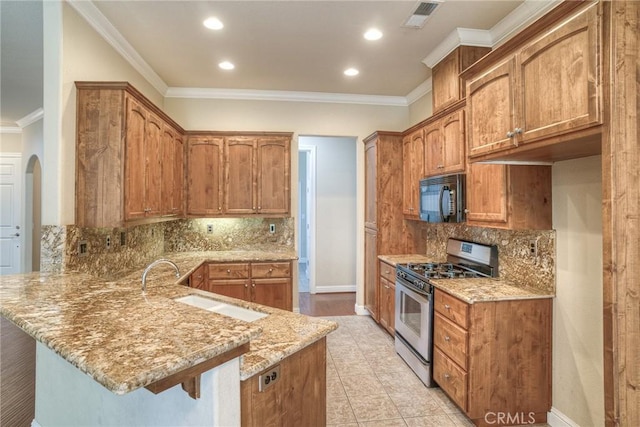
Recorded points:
(413, 319)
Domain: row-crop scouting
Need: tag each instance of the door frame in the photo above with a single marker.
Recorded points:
(311, 151)
(18, 194)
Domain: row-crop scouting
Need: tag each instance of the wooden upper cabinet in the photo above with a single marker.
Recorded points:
(549, 87)
(447, 86)
(240, 181)
(172, 172)
(123, 167)
(370, 179)
(490, 109)
(413, 149)
(561, 82)
(444, 145)
(273, 176)
(205, 175)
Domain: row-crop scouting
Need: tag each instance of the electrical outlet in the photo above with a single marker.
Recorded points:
(108, 242)
(272, 228)
(82, 248)
(533, 247)
(209, 228)
(269, 378)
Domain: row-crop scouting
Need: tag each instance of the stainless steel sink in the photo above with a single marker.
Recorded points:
(219, 307)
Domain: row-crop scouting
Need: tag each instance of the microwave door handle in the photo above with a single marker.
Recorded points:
(442, 190)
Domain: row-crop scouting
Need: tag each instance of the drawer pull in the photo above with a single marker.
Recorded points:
(387, 272)
(447, 376)
(447, 307)
(253, 285)
(246, 285)
(271, 270)
(228, 271)
(447, 338)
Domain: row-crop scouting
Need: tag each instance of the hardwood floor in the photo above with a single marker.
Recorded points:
(334, 304)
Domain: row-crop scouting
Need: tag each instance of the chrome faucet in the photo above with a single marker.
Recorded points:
(153, 264)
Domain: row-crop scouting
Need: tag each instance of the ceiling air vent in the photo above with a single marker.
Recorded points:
(421, 13)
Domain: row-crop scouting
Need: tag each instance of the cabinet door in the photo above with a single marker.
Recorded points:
(370, 184)
(273, 193)
(387, 304)
(177, 207)
(204, 175)
(168, 171)
(371, 272)
(561, 80)
(272, 292)
(240, 182)
(490, 110)
(135, 161)
(446, 83)
(433, 140)
(153, 158)
(453, 143)
(231, 288)
(487, 193)
(413, 170)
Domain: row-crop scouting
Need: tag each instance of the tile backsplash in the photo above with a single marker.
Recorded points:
(515, 262)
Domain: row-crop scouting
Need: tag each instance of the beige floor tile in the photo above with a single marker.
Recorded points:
(343, 425)
(335, 389)
(351, 367)
(445, 403)
(347, 352)
(416, 405)
(401, 382)
(432, 421)
(396, 422)
(362, 385)
(371, 408)
(461, 420)
(339, 411)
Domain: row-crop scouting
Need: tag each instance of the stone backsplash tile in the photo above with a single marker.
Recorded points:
(142, 244)
(52, 248)
(228, 234)
(515, 263)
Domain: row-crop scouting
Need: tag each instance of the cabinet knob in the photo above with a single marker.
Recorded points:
(386, 286)
(246, 285)
(259, 207)
(518, 131)
(510, 134)
(387, 272)
(219, 208)
(447, 338)
(271, 270)
(447, 376)
(447, 307)
(254, 208)
(253, 285)
(228, 271)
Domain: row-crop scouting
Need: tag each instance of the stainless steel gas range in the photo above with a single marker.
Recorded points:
(414, 299)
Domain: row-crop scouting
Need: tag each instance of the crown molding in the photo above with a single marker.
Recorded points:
(10, 129)
(523, 15)
(101, 24)
(30, 118)
(280, 95)
(421, 90)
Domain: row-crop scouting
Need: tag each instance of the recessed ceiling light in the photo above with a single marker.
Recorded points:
(226, 65)
(213, 23)
(373, 34)
(351, 72)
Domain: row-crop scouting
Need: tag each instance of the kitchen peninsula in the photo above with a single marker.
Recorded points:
(125, 340)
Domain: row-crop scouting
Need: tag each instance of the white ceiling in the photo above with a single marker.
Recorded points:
(284, 45)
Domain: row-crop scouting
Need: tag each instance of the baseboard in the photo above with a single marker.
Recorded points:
(296, 310)
(361, 311)
(332, 289)
(555, 418)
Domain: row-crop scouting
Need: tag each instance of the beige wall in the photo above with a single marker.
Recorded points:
(10, 142)
(86, 56)
(578, 384)
(421, 109)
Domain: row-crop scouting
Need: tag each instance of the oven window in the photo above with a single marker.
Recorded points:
(411, 313)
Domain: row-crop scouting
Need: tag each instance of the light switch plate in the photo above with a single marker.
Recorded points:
(272, 228)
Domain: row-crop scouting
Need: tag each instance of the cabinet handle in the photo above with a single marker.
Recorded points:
(447, 307)
(447, 338)
(387, 272)
(386, 286)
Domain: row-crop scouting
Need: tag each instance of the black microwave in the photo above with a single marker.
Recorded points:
(442, 198)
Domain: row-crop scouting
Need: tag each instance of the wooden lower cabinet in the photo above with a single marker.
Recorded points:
(370, 272)
(266, 283)
(298, 398)
(494, 357)
(387, 296)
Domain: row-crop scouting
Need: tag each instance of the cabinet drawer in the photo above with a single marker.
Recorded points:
(388, 271)
(197, 278)
(451, 339)
(452, 308)
(270, 269)
(451, 379)
(228, 271)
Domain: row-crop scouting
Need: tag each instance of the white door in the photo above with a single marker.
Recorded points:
(10, 215)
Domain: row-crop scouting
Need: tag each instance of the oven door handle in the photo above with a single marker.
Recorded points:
(420, 297)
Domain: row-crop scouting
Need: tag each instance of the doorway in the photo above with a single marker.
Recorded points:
(33, 217)
(11, 213)
(306, 215)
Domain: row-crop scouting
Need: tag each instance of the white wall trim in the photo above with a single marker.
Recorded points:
(101, 24)
(555, 418)
(10, 129)
(421, 90)
(282, 95)
(339, 288)
(360, 310)
(30, 118)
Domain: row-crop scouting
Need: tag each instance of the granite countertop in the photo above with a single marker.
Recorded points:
(403, 259)
(125, 339)
(474, 290)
